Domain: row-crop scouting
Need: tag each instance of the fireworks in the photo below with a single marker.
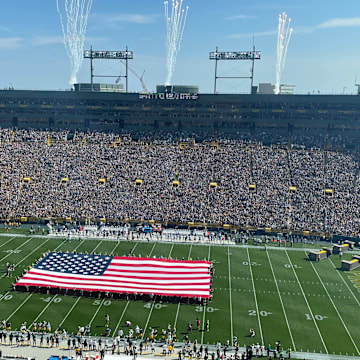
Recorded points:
(284, 35)
(175, 25)
(76, 13)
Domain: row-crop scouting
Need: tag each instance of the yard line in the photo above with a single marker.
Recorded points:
(307, 303)
(69, 312)
(19, 307)
(113, 250)
(172, 246)
(152, 307)
(282, 304)
(2, 297)
(16, 249)
(81, 242)
(96, 312)
(332, 302)
(148, 319)
(28, 255)
(44, 309)
(59, 245)
(177, 314)
(32, 252)
(190, 252)
(254, 291)
(7, 241)
(178, 308)
(152, 249)
(203, 322)
(231, 316)
(97, 245)
(346, 284)
(122, 315)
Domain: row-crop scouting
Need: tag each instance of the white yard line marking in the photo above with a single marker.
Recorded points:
(152, 249)
(333, 304)
(15, 249)
(69, 312)
(19, 307)
(152, 307)
(81, 242)
(7, 293)
(177, 314)
(32, 252)
(307, 303)
(122, 315)
(113, 250)
(59, 245)
(97, 245)
(282, 304)
(204, 313)
(97, 310)
(178, 307)
(254, 291)
(148, 319)
(172, 246)
(346, 284)
(190, 252)
(230, 299)
(44, 309)
(7, 242)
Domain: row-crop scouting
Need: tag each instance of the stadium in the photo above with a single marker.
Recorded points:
(249, 183)
(178, 224)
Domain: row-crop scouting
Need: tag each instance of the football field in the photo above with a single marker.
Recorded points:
(311, 307)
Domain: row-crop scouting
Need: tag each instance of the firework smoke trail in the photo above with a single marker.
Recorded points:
(175, 25)
(284, 35)
(77, 13)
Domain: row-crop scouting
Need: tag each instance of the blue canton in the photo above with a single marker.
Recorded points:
(77, 264)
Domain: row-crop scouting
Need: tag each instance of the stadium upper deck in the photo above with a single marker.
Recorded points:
(281, 114)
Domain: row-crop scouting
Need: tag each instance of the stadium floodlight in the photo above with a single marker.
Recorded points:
(115, 55)
(235, 55)
(109, 55)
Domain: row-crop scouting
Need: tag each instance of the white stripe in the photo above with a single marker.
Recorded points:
(148, 290)
(333, 304)
(73, 282)
(161, 262)
(281, 301)
(21, 245)
(177, 277)
(157, 269)
(307, 303)
(69, 312)
(110, 279)
(122, 315)
(230, 305)
(255, 297)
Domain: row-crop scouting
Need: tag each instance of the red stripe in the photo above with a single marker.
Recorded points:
(123, 292)
(162, 260)
(105, 276)
(144, 286)
(131, 277)
(157, 272)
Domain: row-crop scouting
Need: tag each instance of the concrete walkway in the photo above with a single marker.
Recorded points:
(43, 353)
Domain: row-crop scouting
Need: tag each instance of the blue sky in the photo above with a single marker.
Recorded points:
(323, 55)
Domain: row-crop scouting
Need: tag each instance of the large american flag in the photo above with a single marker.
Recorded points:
(115, 274)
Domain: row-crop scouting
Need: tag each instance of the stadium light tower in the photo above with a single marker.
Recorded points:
(108, 55)
(235, 55)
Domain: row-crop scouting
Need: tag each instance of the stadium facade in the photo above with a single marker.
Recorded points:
(208, 113)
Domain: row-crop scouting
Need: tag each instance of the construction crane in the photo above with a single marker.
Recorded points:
(137, 76)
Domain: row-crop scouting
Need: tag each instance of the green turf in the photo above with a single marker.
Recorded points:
(282, 296)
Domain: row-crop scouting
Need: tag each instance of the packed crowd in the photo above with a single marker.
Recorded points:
(174, 183)
(132, 341)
